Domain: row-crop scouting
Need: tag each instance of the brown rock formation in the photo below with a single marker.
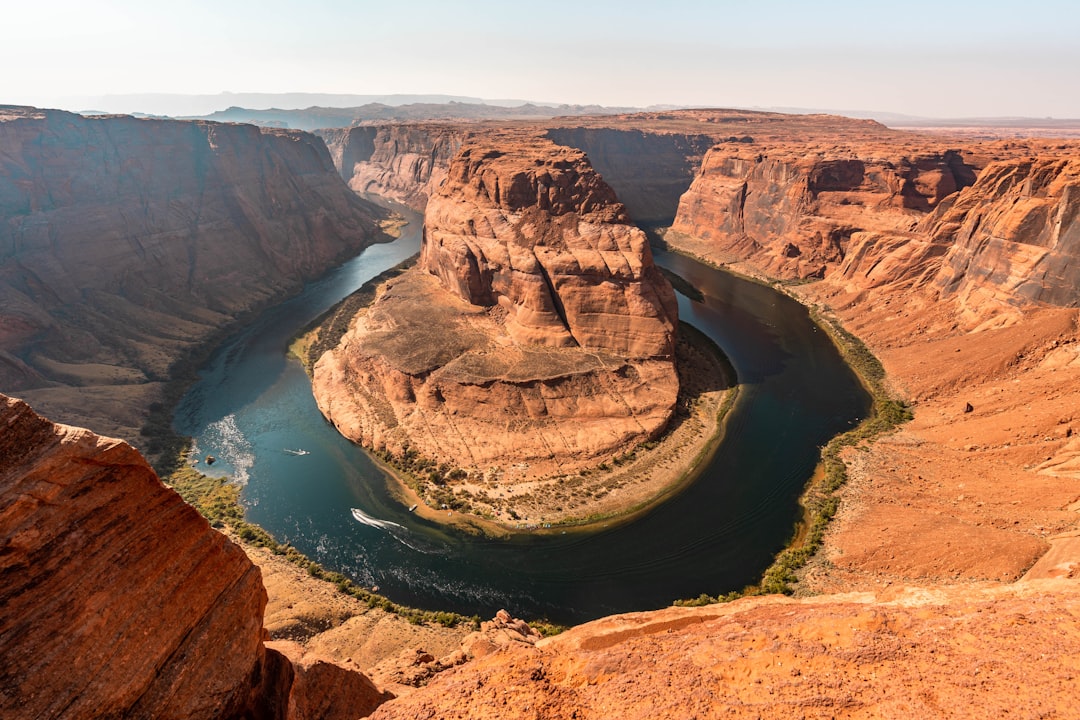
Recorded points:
(536, 331)
(405, 163)
(649, 159)
(960, 652)
(119, 599)
(649, 169)
(1006, 243)
(125, 242)
(792, 211)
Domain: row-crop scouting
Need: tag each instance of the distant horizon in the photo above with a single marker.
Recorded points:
(179, 105)
(955, 60)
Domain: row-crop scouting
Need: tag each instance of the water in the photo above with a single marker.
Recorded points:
(251, 405)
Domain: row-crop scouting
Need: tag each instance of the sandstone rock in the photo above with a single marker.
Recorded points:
(539, 234)
(793, 212)
(536, 334)
(649, 169)
(894, 654)
(118, 598)
(324, 690)
(1013, 238)
(125, 242)
(405, 163)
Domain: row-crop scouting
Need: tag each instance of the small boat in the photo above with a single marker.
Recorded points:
(298, 451)
(413, 507)
(210, 459)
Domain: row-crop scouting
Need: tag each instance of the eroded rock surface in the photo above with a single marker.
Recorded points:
(792, 210)
(962, 652)
(406, 163)
(119, 600)
(536, 335)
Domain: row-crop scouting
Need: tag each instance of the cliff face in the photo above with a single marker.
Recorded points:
(650, 171)
(536, 332)
(792, 211)
(405, 163)
(1006, 243)
(971, 306)
(539, 234)
(124, 242)
(1015, 234)
(118, 598)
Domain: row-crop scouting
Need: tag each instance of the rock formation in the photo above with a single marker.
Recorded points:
(650, 170)
(536, 331)
(793, 212)
(405, 163)
(120, 600)
(961, 652)
(972, 304)
(126, 242)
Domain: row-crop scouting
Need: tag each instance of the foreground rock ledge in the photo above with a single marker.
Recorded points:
(535, 338)
(958, 652)
(118, 599)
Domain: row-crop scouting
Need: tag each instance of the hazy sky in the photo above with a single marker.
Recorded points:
(926, 57)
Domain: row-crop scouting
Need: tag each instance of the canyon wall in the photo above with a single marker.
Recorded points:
(126, 242)
(535, 333)
(649, 170)
(1006, 243)
(791, 209)
(405, 163)
(119, 600)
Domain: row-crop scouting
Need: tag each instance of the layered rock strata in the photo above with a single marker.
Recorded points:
(125, 242)
(536, 335)
(119, 600)
(649, 170)
(405, 163)
(793, 212)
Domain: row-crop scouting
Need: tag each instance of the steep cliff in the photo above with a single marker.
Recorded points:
(1013, 236)
(791, 209)
(405, 163)
(1006, 243)
(125, 242)
(969, 299)
(650, 171)
(119, 600)
(536, 335)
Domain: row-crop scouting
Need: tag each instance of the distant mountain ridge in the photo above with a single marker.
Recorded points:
(226, 107)
(318, 118)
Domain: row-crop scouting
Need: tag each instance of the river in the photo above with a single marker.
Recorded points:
(252, 404)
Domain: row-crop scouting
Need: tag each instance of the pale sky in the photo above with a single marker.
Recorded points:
(920, 57)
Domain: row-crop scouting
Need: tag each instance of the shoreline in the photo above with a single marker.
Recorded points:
(640, 478)
(820, 499)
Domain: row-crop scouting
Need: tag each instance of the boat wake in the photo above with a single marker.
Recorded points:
(366, 519)
(398, 532)
(298, 451)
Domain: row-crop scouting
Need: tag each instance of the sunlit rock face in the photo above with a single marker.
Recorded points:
(792, 208)
(536, 330)
(120, 600)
